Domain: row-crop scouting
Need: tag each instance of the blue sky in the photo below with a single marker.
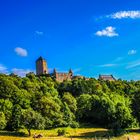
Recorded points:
(90, 36)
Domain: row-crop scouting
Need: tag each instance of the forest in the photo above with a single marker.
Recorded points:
(40, 102)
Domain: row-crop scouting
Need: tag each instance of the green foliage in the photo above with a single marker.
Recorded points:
(2, 121)
(68, 117)
(61, 132)
(16, 117)
(50, 109)
(136, 105)
(70, 101)
(32, 120)
(112, 111)
(84, 106)
(6, 107)
(40, 103)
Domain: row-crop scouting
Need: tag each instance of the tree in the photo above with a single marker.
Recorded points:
(16, 117)
(68, 117)
(50, 108)
(6, 107)
(109, 110)
(23, 102)
(70, 101)
(7, 87)
(84, 106)
(136, 105)
(2, 121)
(32, 120)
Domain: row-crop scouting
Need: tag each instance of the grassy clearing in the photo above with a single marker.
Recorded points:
(76, 134)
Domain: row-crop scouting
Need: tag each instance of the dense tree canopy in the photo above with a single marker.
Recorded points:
(34, 102)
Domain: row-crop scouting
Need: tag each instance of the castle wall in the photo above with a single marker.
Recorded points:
(63, 76)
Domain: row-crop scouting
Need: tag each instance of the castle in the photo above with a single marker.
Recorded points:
(42, 69)
(107, 77)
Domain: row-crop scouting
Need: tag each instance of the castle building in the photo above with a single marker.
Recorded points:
(42, 69)
(63, 76)
(41, 66)
(107, 77)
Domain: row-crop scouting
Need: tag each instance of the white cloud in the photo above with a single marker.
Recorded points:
(39, 32)
(108, 65)
(21, 51)
(21, 72)
(118, 59)
(3, 69)
(108, 31)
(133, 64)
(132, 52)
(125, 14)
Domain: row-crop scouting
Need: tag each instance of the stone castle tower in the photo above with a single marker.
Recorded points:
(42, 69)
(41, 66)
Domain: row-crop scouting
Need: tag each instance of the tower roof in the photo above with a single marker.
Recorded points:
(40, 58)
(54, 71)
(70, 71)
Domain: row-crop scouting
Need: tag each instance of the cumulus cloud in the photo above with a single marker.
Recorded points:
(39, 33)
(21, 51)
(125, 14)
(21, 72)
(108, 31)
(132, 52)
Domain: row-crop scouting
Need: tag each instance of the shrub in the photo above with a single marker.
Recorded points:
(118, 132)
(61, 132)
